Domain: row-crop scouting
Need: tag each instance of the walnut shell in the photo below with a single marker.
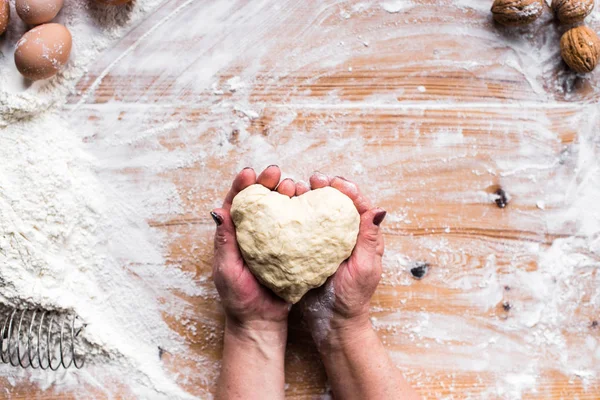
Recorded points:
(572, 11)
(580, 48)
(517, 12)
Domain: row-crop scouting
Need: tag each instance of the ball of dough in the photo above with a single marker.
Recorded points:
(294, 244)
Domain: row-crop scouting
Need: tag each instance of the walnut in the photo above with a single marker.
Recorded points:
(517, 12)
(571, 11)
(580, 48)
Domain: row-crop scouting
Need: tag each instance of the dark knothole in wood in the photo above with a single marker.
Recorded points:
(234, 138)
(501, 201)
(419, 270)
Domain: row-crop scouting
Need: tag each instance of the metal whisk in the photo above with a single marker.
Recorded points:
(38, 339)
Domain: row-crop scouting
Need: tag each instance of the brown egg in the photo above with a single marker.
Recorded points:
(4, 15)
(42, 51)
(35, 12)
(114, 2)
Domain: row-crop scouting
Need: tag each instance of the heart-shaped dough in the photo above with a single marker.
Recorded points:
(294, 244)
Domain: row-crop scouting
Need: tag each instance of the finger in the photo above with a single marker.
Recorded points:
(369, 240)
(350, 189)
(318, 180)
(269, 178)
(245, 178)
(301, 188)
(227, 252)
(380, 246)
(287, 187)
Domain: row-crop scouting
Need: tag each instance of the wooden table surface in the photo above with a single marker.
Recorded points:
(430, 108)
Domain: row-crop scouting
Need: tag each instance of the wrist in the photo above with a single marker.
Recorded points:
(344, 333)
(268, 334)
(253, 361)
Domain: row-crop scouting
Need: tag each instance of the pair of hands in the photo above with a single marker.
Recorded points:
(341, 305)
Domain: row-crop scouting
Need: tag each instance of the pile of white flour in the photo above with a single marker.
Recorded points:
(69, 240)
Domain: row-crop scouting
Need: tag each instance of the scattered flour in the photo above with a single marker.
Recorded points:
(552, 306)
(91, 236)
(93, 26)
(73, 242)
(75, 238)
(396, 6)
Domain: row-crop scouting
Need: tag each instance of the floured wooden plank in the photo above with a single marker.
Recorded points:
(431, 109)
(335, 52)
(432, 169)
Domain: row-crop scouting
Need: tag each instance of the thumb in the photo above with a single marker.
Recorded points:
(226, 248)
(369, 236)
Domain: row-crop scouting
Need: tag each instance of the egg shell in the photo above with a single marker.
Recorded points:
(4, 15)
(35, 12)
(42, 51)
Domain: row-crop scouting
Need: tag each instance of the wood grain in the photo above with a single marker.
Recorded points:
(430, 110)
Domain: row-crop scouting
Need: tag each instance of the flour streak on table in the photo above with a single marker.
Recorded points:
(431, 110)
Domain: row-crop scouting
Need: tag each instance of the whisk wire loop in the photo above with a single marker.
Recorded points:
(39, 339)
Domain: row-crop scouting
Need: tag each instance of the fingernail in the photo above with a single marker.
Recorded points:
(245, 168)
(272, 165)
(217, 218)
(379, 216)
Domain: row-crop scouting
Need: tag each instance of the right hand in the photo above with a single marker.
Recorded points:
(339, 310)
(248, 304)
